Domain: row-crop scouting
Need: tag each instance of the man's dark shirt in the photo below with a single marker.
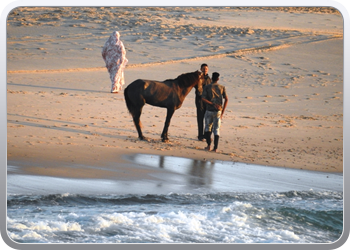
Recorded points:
(214, 93)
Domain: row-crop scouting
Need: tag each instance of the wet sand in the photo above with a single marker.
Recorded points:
(165, 175)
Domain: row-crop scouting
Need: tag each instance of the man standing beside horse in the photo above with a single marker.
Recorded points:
(213, 95)
(199, 103)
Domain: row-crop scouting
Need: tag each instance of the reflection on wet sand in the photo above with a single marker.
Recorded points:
(197, 173)
(189, 174)
(181, 175)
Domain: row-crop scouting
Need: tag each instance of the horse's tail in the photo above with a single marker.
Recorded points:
(133, 108)
(128, 102)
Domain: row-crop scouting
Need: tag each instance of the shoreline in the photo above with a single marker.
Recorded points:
(116, 167)
(153, 174)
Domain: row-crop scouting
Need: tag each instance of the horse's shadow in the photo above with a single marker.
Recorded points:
(66, 129)
(55, 88)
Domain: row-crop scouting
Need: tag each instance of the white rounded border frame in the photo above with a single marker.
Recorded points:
(7, 5)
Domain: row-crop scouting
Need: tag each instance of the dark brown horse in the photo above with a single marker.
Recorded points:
(168, 94)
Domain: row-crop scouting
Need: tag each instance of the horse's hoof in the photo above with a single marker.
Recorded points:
(142, 138)
(165, 140)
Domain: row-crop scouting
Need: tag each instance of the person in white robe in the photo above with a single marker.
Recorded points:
(114, 55)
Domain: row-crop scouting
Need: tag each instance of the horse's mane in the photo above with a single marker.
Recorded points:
(188, 79)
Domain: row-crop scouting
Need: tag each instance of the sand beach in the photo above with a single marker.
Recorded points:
(283, 74)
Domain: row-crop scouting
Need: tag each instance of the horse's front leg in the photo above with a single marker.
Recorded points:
(169, 114)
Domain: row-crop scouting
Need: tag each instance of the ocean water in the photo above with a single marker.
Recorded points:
(225, 217)
(190, 201)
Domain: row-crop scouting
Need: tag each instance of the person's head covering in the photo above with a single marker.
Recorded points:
(114, 38)
(116, 35)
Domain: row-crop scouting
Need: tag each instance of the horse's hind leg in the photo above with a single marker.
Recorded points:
(135, 105)
(137, 122)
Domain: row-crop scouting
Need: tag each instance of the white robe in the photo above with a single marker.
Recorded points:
(114, 55)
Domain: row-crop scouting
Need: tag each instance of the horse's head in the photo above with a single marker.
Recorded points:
(190, 80)
(200, 76)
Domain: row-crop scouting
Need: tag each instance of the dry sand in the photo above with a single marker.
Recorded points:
(285, 93)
